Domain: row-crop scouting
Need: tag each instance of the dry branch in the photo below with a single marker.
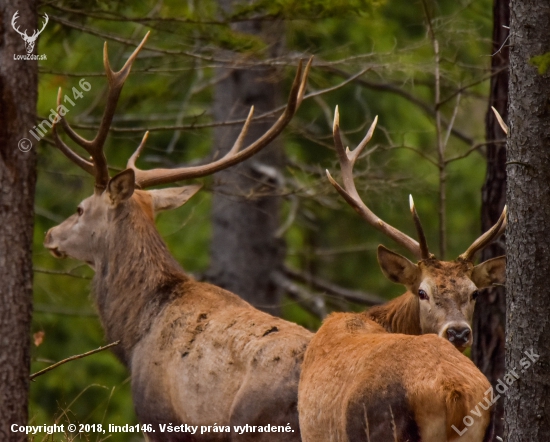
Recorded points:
(72, 358)
(310, 302)
(333, 289)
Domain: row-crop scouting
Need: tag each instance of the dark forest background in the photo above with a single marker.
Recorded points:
(273, 230)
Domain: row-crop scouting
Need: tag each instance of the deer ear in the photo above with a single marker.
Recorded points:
(172, 197)
(397, 268)
(492, 271)
(121, 187)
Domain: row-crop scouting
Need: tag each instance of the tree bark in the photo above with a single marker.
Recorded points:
(18, 95)
(490, 312)
(528, 196)
(246, 208)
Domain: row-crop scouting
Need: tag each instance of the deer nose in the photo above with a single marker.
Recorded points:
(458, 336)
(48, 238)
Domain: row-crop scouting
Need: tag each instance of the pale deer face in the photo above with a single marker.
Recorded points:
(82, 236)
(77, 235)
(446, 290)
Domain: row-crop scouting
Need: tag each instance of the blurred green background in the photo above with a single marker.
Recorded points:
(173, 85)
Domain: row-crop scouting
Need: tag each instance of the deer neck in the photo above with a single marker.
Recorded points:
(136, 277)
(400, 315)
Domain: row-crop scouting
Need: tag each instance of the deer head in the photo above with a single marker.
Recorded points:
(83, 235)
(29, 40)
(446, 291)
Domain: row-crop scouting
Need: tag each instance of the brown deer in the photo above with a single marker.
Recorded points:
(202, 360)
(360, 383)
(440, 295)
(367, 377)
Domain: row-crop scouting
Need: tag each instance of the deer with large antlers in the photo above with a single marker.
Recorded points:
(365, 378)
(198, 355)
(440, 295)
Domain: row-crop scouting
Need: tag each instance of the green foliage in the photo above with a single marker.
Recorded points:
(304, 9)
(172, 86)
(542, 62)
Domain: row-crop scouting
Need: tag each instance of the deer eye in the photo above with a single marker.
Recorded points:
(475, 295)
(79, 210)
(423, 295)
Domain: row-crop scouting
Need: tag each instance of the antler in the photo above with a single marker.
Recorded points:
(98, 164)
(499, 227)
(485, 239)
(501, 122)
(347, 160)
(13, 20)
(147, 178)
(423, 243)
(349, 192)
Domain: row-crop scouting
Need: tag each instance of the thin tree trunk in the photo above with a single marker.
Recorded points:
(490, 312)
(18, 94)
(245, 212)
(528, 241)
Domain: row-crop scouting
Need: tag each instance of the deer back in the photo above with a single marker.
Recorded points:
(361, 383)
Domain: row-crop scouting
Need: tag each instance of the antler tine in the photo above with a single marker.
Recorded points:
(66, 150)
(485, 239)
(131, 164)
(71, 155)
(67, 128)
(346, 157)
(350, 194)
(148, 178)
(303, 84)
(354, 154)
(117, 79)
(346, 163)
(503, 125)
(502, 229)
(420, 231)
(239, 141)
(95, 147)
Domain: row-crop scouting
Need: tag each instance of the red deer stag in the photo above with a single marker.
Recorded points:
(199, 356)
(360, 383)
(440, 295)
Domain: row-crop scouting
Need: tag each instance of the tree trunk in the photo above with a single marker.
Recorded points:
(528, 196)
(490, 312)
(245, 212)
(18, 94)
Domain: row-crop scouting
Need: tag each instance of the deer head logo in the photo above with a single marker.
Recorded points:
(29, 40)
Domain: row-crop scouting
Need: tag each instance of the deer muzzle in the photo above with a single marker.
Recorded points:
(50, 244)
(459, 334)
